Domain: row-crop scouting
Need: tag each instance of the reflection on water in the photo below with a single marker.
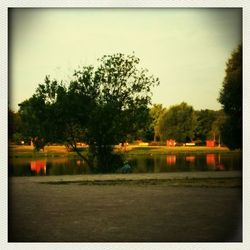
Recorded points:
(186, 162)
(210, 159)
(139, 164)
(38, 166)
(215, 162)
(171, 160)
(190, 158)
(49, 166)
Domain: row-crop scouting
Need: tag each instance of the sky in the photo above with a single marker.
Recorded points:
(187, 48)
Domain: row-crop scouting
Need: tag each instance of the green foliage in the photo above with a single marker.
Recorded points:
(231, 100)
(208, 125)
(217, 125)
(17, 138)
(101, 107)
(38, 114)
(15, 127)
(204, 122)
(178, 122)
(155, 112)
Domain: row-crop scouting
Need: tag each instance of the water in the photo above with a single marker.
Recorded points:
(187, 162)
(139, 164)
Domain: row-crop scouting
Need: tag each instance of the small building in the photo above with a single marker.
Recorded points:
(210, 143)
(189, 144)
(171, 143)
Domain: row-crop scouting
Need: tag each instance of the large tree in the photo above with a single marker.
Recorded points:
(231, 99)
(100, 106)
(39, 117)
(204, 122)
(217, 125)
(178, 122)
(208, 125)
(14, 128)
(155, 112)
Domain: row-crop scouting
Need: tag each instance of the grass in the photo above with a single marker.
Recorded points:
(180, 149)
(25, 151)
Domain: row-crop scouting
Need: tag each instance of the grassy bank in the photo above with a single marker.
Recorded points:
(61, 151)
(26, 151)
(166, 150)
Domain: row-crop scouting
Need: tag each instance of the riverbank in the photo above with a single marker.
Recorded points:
(164, 207)
(60, 150)
(191, 179)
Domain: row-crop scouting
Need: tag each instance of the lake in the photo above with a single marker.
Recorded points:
(139, 164)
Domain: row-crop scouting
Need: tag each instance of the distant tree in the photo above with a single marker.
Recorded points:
(217, 125)
(38, 115)
(204, 121)
(14, 126)
(146, 133)
(231, 99)
(155, 112)
(100, 107)
(178, 122)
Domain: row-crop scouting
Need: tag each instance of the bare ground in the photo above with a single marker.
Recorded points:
(176, 207)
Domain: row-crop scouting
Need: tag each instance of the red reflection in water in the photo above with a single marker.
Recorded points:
(38, 166)
(210, 159)
(190, 158)
(220, 167)
(171, 160)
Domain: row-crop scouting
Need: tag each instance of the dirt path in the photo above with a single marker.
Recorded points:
(69, 211)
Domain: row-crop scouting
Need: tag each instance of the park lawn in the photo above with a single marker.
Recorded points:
(62, 151)
(178, 149)
(27, 151)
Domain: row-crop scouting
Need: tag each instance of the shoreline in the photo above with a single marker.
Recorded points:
(230, 179)
(22, 151)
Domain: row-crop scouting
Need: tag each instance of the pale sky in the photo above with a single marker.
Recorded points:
(186, 48)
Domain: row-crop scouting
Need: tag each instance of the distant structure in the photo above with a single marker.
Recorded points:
(171, 143)
(210, 143)
(189, 144)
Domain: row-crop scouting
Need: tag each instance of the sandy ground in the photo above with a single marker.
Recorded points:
(126, 208)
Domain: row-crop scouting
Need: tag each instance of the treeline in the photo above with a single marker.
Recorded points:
(184, 124)
(179, 122)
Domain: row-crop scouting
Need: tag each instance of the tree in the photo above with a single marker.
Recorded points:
(100, 106)
(217, 125)
(178, 122)
(204, 121)
(14, 128)
(231, 99)
(38, 115)
(155, 112)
